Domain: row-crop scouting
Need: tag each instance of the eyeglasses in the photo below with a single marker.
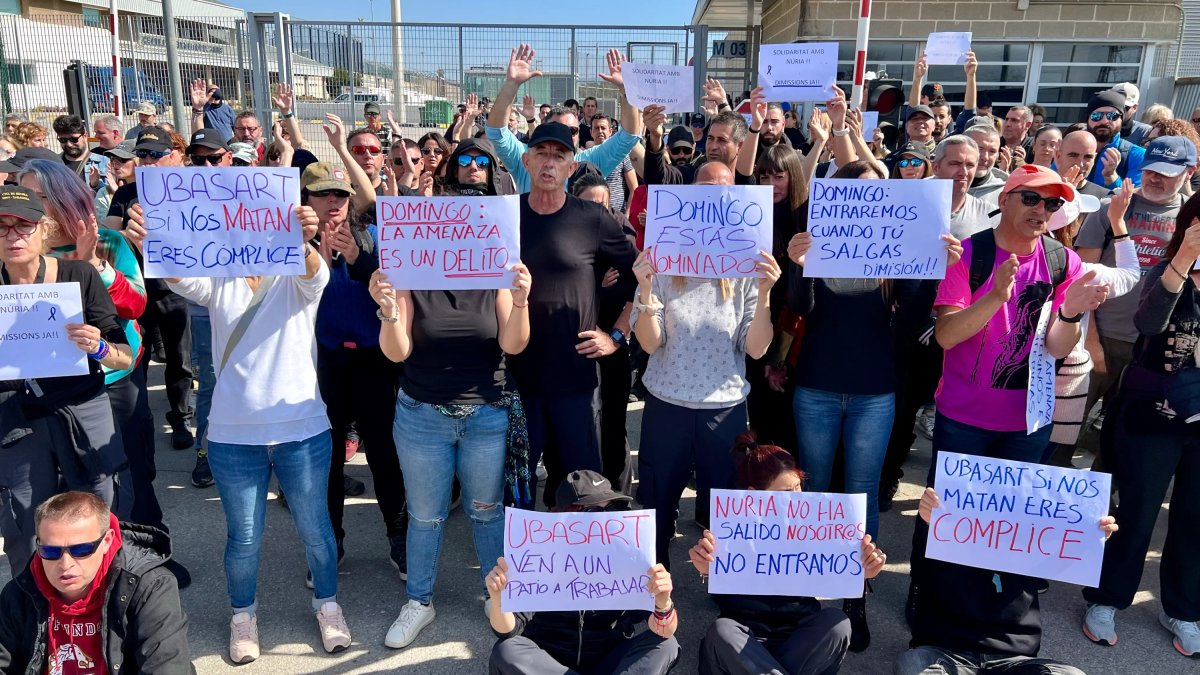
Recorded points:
(77, 551)
(322, 194)
(113, 159)
(373, 150)
(240, 162)
(70, 139)
(23, 229)
(1111, 116)
(151, 154)
(481, 161)
(432, 151)
(247, 130)
(370, 114)
(911, 161)
(1030, 198)
(201, 160)
(681, 151)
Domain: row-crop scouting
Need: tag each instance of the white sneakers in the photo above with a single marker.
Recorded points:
(413, 618)
(243, 638)
(335, 634)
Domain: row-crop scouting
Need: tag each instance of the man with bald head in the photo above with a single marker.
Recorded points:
(1078, 150)
(714, 173)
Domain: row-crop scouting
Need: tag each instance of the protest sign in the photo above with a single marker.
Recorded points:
(1032, 519)
(709, 231)
(787, 543)
(449, 243)
(652, 84)
(868, 229)
(870, 124)
(947, 49)
(221, 222)
(33, 334)
(1039, 392)
(798, 72)
(577, 561)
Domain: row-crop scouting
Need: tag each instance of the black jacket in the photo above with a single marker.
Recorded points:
(145, 630)
(769, 616)
(501, 183)
(576, 638)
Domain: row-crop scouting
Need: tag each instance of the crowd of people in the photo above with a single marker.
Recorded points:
(782, 381)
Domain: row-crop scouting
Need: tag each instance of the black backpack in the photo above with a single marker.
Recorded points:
(983, 259)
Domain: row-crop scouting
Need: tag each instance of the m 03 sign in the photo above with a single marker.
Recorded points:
(730, 49)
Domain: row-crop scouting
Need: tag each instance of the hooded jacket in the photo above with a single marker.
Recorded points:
(143, 627)
(501, 183)
(578, 638)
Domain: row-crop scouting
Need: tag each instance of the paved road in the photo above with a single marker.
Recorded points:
(459, 640)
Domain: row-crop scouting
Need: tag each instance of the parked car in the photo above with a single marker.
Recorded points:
(136, 87)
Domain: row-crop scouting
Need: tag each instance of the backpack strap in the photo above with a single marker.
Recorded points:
(1056, 259)
(983, 258)
(244, 320)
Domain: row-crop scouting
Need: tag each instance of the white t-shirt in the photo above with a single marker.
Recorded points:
(267, 393)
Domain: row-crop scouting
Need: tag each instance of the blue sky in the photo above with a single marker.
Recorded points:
(512, 12)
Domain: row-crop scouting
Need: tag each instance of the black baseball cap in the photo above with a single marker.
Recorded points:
(586, 488)
(21, 202)
(24, 155)
(697, 120)
(553, 132)
(932, 90)
(206, 138)
(154, 139)
(680, 136)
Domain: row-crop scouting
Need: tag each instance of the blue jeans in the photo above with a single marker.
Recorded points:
(242, 474)
(433, 448)
(863, 423)
(202, 367)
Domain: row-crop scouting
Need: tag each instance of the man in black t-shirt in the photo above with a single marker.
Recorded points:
(567, 244)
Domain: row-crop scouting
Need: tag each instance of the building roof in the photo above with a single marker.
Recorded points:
(183, 8)
(726, 13)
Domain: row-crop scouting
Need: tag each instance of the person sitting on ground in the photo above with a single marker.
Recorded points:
(773, 633)
(97, 597)
(599, 642)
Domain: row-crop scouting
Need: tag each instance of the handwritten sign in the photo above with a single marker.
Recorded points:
(221, 222)
(709, 231)
(652, 84)
(449, 243)
(947, 49)
(1032, 519)
(798, 72)
(867, 229)
(788, 543)
(577, 561)
(1039, 394)
(33, 334)
(870, 119)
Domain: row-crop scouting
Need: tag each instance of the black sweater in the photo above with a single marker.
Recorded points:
(976, 610)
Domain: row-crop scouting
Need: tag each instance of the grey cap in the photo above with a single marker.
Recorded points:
(124, 150)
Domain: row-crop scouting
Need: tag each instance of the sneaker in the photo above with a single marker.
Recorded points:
(352, 445)
(455, 496)
(541, 472)
(243, 637)
(1100, 624)
(282, 498)
(910, 605)
(202, 474)
(341, 558)
(352, 487)
(181, 436)
(399, 554)
(887, 493)
(1187, 634)
(1041, 585)
(405, 629)
(860, 633)
(925, 423)
(335, 634)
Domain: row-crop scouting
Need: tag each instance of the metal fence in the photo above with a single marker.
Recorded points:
(338, 66)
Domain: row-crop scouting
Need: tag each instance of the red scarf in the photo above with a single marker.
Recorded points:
(76, 646)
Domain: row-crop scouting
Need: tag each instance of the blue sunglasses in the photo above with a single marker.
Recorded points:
(481, 161)
(912, 161)
(77, 551)
(1111, 115)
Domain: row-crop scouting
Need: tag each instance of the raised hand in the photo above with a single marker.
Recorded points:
(1119, 205)
(88, 241)
(1005, 159)
(1189, 249)
(283, 98)
(972, 64)
(758, 108)
(528, 107)
(473, 107)
(425, 187)
(818, 127)
(1109, 161)
(520, 65)
(1083, 295)
(922, 68)
(1072, 175)
(836, 107)
(654, 117)
(1004, 279)
(614, 76)
(335, 131)
(199, 93)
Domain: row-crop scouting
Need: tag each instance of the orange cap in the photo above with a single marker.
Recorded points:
(1032, 175)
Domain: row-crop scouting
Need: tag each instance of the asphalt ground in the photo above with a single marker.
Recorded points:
(459, 640)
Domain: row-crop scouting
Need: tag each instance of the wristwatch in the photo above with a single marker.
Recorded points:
(617, 335)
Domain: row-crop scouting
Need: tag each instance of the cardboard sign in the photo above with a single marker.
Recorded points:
(947, 49)
(221, 221)
(788, 543)
(1032, 519)
(449, 243)
(709, 231)
(33, 334)
(652, 84)
(1039, 394)
(798, 72)
(577, 561)
(872, 229)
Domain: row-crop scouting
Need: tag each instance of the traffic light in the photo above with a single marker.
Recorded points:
(886, 96)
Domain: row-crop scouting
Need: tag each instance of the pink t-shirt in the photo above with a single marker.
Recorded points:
(984, 378)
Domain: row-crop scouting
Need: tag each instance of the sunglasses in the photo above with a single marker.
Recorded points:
(240, 162)
(373, 150)
(480, 161)
(77, 551)
(69, 139)
(1030, 198)
(1111, 116)
(247, 130)
(432, 151)
(1196, 120)
(151, 154)
(681, 151)
(399, 161)
(23, 229)
(201, 160)
(330, 193)
(912, 161)
(370, 114)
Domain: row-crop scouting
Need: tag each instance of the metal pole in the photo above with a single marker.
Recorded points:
(860, 53)
(353, 88)
(462, 68)
(137, 81)
(239, 36)
(700, 55)
(21, 69)
(173, 75)
(574, 67)
(117, 89)
(398, 65)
